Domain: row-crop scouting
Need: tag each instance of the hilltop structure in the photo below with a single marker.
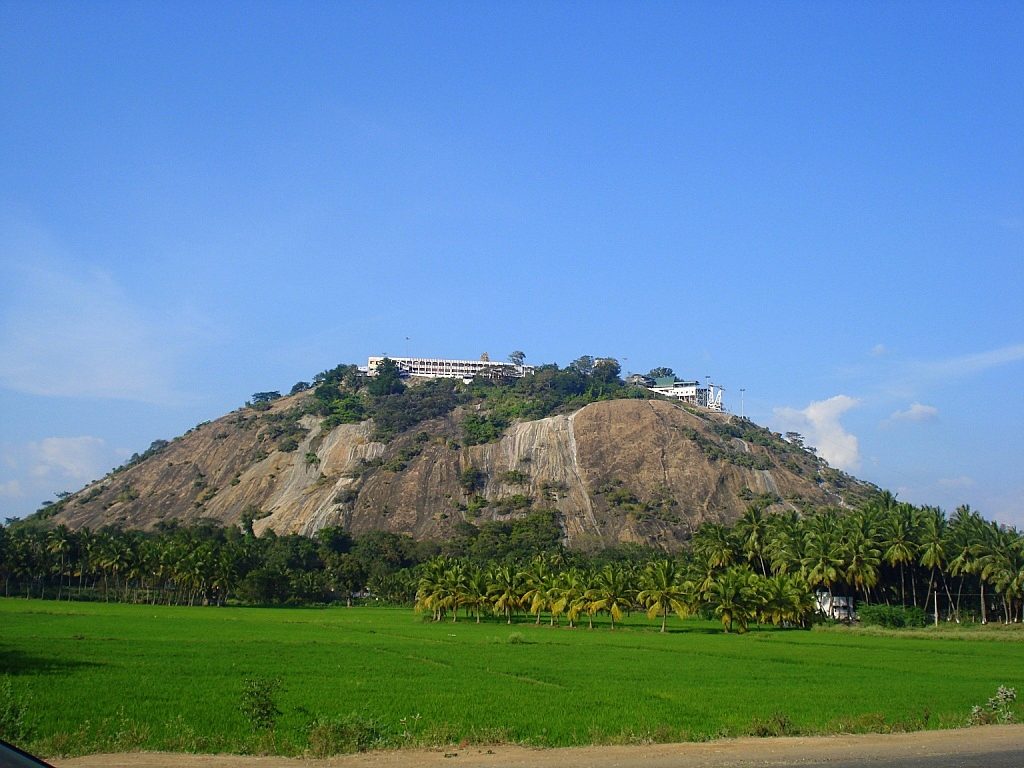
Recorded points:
(708, 396)
(439, 368)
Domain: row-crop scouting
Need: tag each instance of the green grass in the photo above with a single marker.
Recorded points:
(95, 677)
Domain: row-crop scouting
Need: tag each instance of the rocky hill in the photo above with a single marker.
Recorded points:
(627, 470)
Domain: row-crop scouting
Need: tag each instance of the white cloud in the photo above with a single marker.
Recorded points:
(961, 481)
(73, 331)
(11, 490)
(820, 426)
(908, 379)
(966, 365)
(68, 458)
(916, 412)
(879, 350)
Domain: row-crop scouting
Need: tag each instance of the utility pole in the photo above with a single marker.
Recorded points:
(742, 390)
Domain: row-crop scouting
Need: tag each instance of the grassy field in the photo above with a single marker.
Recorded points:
(97, 677)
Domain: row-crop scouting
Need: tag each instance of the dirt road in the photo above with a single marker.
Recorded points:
(992, 747)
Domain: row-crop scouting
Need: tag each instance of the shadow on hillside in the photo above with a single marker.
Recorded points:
(17, 662)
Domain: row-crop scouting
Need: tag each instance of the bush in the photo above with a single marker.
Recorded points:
(892, 616)
(257, 702)
(472, 479)
(997, 710)
(353, 733)
(514, 477)
(13, 724)
(477, 430)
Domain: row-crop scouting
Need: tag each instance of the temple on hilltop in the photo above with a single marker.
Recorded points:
(708, 396)
(439, 368)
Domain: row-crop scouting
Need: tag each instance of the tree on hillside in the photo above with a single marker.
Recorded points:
(606, 370)
(388, 380)
(660, 372)
(517, 358)
(583, 365)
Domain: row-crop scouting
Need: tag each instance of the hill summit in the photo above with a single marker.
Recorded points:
(612, 463)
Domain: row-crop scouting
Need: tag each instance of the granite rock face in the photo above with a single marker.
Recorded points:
(644, 471)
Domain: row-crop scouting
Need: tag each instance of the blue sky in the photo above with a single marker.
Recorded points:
(820, 203)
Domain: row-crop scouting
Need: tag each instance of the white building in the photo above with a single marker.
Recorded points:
(835, 606)
(437, 368)
(691, 392)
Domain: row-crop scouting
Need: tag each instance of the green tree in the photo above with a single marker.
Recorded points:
(611, 592)
(862, 554)
(505, 590)
(732, 598)
(899, 533)
(387, 381)
(752, 531)
(664, 590)
(823, 552)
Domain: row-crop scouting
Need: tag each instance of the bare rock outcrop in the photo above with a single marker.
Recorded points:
(644, 471)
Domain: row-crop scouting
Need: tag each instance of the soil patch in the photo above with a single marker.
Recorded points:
(972, 744)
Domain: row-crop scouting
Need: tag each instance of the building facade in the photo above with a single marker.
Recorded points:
(709, 396)
(441, 368)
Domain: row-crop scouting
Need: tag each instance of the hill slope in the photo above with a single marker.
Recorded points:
(616, 471)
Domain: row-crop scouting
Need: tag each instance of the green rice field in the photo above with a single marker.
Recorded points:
(87, 677)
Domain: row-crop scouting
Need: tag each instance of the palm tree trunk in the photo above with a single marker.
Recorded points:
(984, 615)
(931, 583)
(664, 618)
(949, 597)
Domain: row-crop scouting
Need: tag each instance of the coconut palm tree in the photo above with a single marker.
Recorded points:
(58, 545)
(823, 558)
(571, 592)
(538, 580)
(933, 550)
(430, 591)
(715, 545)
(785, 598)
(862, 553)
(477, 598)
(899, 547)
(784, 542)
(505, 590)
(964, 531)
(664, 590)
(611, 592)
(1003, 566)
(733, 599)
(752, 531)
